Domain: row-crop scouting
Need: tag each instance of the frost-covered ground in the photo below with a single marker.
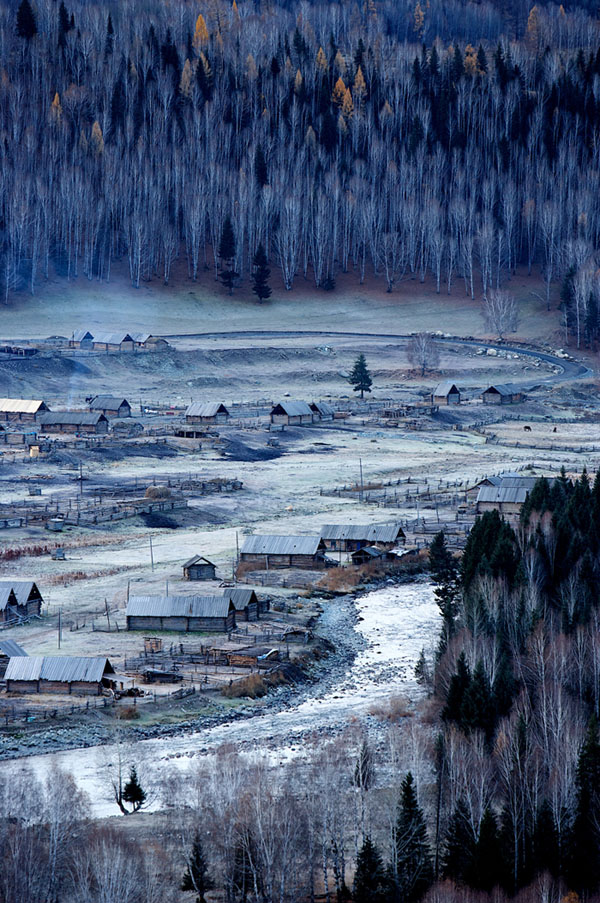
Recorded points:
(380, 641)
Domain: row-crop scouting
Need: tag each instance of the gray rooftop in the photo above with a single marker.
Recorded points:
(324, 409)
(191, 606)
(108, 402)
(62, 668)
(505, 389)
(196, 560)
(112, 338)
(447, 387)
(10, 648)
(362, 532)
(511, 489)
(241, 598)
(206, 409)
(21, 589)
(281, 545)
(293, 408)
(71, 418)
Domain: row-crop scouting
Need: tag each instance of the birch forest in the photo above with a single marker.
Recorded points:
(433, 141)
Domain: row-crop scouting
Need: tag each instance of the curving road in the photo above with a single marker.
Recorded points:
(571, 369)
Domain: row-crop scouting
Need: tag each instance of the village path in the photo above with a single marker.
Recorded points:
(571, 368)
(382, 634)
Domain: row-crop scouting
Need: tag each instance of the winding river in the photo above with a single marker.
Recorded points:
(392, 625)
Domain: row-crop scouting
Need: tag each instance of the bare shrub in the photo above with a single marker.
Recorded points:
(158, 492)
(423, 352)
(500, 312)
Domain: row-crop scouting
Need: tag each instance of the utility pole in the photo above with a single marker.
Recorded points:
(151, 554)
(361, 480)
(237, 556)
(80, 478)
(59, 627)
(107, 613)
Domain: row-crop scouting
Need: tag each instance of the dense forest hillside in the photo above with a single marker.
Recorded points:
(451, 142)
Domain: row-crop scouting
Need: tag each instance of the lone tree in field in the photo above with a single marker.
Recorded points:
(500, 312)
(227, 255)
(196, 875)
(423, 353)
(360, 377)
(132, 793)
(260, 275)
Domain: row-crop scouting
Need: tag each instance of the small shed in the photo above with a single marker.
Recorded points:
(351, 537)
(26, 409)
(19, 600)
(59, 674)
(503, 393)
(285, 552)
(9, 649)
(291, 413)
(110, 406)
(148, 342)
(245, 602)
(367, 555)
(206, 412)
(91, 424)
(321, 410)
(206, 614)
(446, 392)
(82, 338)
(199, 568)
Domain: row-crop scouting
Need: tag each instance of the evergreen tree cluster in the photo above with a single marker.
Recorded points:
(515, 681)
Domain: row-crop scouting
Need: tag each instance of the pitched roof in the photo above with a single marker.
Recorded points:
(178, 606)
(241, 598)
(512, 489)
(322, 408)
(108, 402)
(81, 335)
(21, 406)
(362, 532)
(281, 545)
(205, 409)
(196, 560)
(505, 389)
(447, 387)
(21, 589)
(75, 418)
(10, 648)
(293, 408)
(371, 551)
(112, 338)
(62, 668)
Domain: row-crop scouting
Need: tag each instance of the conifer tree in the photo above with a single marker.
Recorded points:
(260, 275)
(414, 869)
(133, 792)
(584, 842)
(227, 274)
(476, 711)
(444, 574)
(196, 876)
(26, 22)
(487, 859)
(545, 846)
(459, 847)
(110, 37)
(260, 167)
(369, 878)
(459, 683)
(360, 377)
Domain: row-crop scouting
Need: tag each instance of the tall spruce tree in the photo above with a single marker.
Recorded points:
(369, 878)
(196, 876)
(26, 22)
(414, 868)
(444, 574)
(227, 274)
(584, 841)
(459, 846)
(360, 378)
(260, 275)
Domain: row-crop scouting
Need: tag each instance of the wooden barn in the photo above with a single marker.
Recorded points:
(265, 552)
(369, 555)
(506, 497)
(110, 406)
(82, 338)
(24, 409)
(291, 413)
(113, 341)
(321, 411)
(19, 600)
(206, 412)
(245, 602)
(89, 424)
(80, 675)
(503, 394)
(8, 649)
(199, 568)
(145, 341)
(206, 614)
(351, 537)
(445, 393)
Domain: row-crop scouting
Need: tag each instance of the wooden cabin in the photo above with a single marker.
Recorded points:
(199, 568)
(351, 537)
(265, 552)
(23, 409)
(79, 675)
(506, 497)
(291, 413)
(321, 411)
(83, 339)
(368, 555)
(19, 600)
(446, 393)
(503, 394)
(110, 406)
(245, 602)
(145, 341)
(205, 614)
(8, 649)
(113, 341)
(74, 422)
(206, 412)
